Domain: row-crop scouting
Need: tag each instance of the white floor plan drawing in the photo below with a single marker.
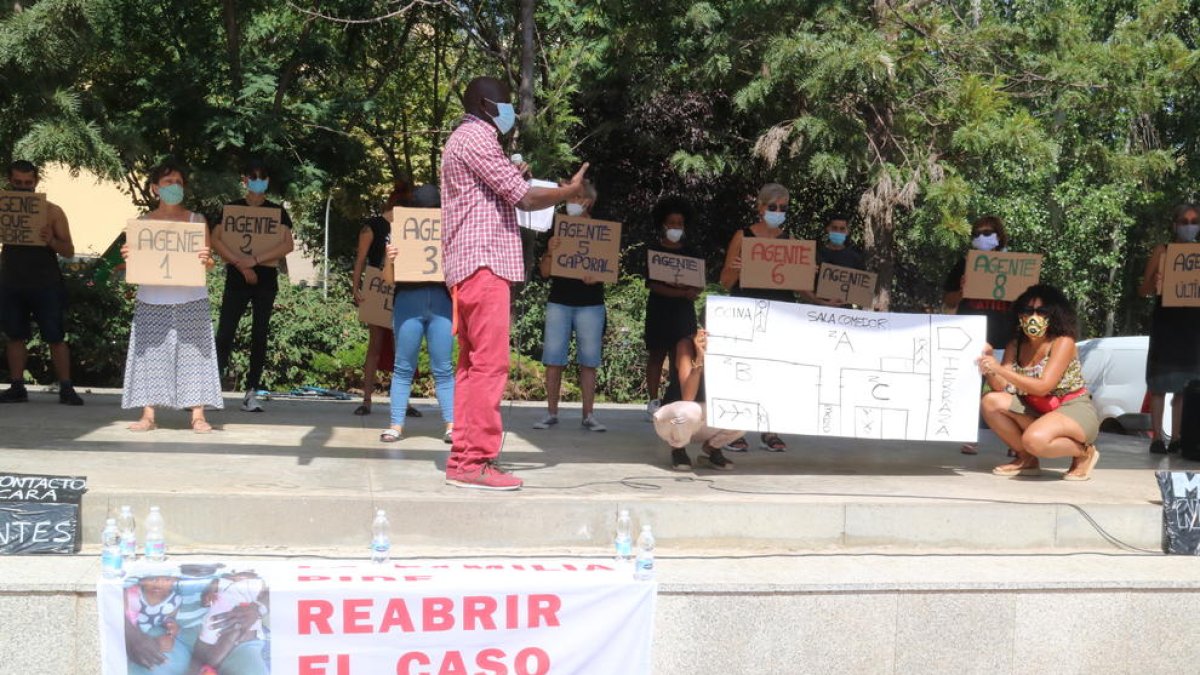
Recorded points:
(805, 369)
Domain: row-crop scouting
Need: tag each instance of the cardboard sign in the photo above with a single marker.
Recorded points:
(40, 513)
(417, 233)
(378, 295)
(998, 275)
(1181, 276)
(789, 264)
(586, 247)
(165, 252)
(680, 270)
(252, 230)
(23, 215)
(846, 285)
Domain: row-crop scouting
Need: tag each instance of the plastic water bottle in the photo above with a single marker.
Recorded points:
(156, 536)
(645, 555)
(127, 527)
(381, 543)
(110, 552)
(624, 538)
(516, 158)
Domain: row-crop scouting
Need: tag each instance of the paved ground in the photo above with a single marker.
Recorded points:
(320, 448)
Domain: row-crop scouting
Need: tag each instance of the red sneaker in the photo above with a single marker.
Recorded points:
(483, 477)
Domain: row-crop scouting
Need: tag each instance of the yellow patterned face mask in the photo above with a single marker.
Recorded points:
(1035, 325)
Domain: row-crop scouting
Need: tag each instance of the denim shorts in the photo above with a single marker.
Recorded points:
(588, 325)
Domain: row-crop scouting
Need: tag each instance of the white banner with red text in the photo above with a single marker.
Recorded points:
(236, 617)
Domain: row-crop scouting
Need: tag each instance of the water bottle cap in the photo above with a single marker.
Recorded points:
(380, 513)
(516, 158)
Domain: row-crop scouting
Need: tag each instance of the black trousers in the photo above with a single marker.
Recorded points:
(238, 294)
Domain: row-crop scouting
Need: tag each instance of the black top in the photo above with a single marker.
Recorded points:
(283, 218)
(844, 257)
(777, 294)
(575, 293)
(998, 312)
(381, 230)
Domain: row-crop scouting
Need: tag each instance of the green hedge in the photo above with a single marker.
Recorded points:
(319, 341)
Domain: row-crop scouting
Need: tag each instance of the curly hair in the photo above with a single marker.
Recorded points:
(1055, 307)
(673, 204)
(996, 223)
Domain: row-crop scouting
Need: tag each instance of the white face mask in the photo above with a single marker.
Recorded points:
(574, 210)
(986, 242)
(674, 235)
(1187, 233)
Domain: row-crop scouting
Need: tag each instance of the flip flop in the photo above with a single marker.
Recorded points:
(201, 427)
(389, 436)
(969, 449)
(364, 409)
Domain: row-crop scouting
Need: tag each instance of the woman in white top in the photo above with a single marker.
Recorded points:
(172, 359)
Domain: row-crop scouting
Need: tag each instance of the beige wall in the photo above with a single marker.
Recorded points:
(95, 208)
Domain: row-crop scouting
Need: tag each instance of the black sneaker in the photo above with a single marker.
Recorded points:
(716, 458)
(67, 396)
(14, 394)
(680, 460)
(1175, 447)
(1157, 447)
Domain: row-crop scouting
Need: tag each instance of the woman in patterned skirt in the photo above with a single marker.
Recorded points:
(172, 359)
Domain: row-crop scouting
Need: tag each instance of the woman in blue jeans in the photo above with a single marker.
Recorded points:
(420, 311)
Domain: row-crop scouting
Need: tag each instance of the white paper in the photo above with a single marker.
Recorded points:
(538, 221)
(804, 369)
(529, 615)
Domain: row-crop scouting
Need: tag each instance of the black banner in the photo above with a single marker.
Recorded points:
(24, 487)
(40, 513)
(38, 528)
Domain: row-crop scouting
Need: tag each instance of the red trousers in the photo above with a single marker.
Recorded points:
(482, 320)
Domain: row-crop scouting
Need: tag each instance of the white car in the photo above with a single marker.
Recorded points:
(1115, 371)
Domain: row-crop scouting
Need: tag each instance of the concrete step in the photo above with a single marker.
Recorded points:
(726, 612)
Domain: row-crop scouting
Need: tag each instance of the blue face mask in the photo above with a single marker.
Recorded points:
(774, 219)
(171, 194)
(258, 185)
(837, 238)
(505, 118)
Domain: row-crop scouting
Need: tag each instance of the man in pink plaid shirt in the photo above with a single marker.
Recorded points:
(481, 252)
